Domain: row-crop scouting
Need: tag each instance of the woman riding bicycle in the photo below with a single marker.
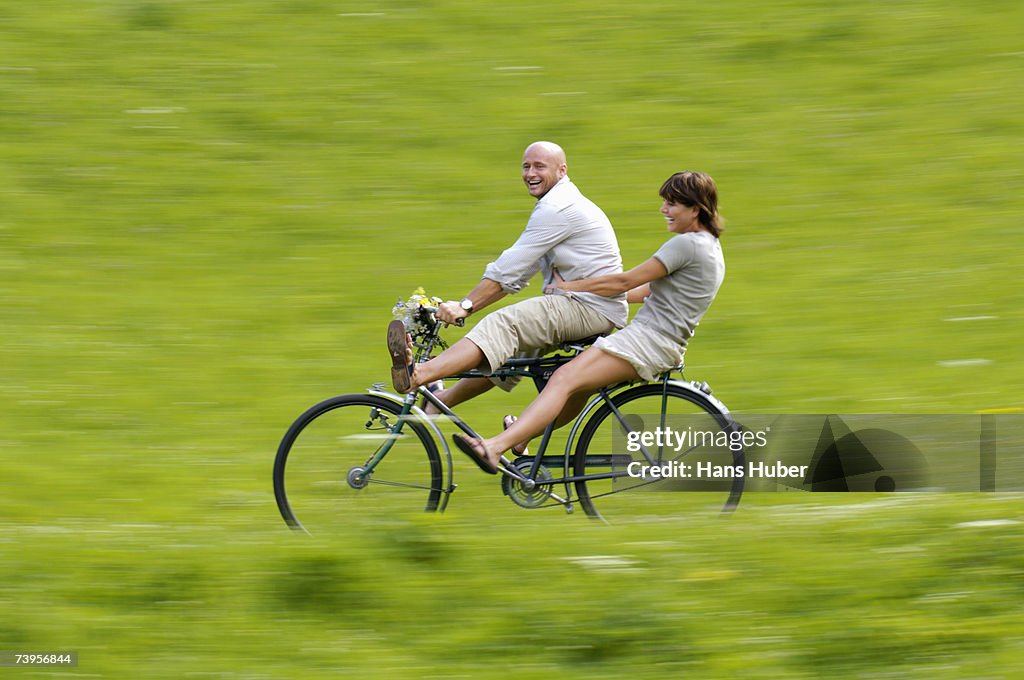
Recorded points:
(677, 285)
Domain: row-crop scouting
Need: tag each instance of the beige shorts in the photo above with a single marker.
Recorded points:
(649, 352)
(533, 327)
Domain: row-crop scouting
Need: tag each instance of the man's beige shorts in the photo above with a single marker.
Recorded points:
(534, 327)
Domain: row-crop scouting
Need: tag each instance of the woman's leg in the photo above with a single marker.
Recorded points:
(586, 373)
(568, 413)
(573, 407)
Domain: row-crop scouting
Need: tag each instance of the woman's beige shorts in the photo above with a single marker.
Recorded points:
(649, 352)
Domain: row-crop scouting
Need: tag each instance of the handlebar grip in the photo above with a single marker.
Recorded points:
(429, 308)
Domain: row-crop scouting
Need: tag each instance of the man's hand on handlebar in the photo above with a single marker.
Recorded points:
(451, 312)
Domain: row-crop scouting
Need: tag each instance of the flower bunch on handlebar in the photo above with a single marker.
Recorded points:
(417, 313)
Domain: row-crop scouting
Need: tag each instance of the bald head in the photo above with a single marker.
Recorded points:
(553, 152)
(543, 166)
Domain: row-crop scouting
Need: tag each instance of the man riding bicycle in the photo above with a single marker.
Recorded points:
(567, 232)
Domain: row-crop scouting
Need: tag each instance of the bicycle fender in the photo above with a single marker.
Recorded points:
(582, 418)
(427, 420)
(690, 386)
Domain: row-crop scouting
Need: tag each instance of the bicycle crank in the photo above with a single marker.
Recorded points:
(526, 493)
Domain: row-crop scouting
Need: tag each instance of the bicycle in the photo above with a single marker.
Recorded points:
(380, 452)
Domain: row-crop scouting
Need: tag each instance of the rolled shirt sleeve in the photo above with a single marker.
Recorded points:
(524, 258)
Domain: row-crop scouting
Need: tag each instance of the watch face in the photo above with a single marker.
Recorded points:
(467, 305)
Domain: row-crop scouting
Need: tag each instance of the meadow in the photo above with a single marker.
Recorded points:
(207, 210)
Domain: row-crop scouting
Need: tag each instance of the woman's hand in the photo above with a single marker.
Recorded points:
(610, 285)
(555, 287)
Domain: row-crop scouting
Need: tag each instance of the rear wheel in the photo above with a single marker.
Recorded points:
(320, 470)
(694, 450)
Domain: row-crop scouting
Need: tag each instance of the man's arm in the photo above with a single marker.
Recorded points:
(485, 293)
(515, 266)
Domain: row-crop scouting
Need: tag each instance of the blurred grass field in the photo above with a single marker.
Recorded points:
(207, 210)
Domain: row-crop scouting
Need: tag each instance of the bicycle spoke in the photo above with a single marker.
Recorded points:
(352, 440)
(644, 411)
(631, 488)
(384, 482)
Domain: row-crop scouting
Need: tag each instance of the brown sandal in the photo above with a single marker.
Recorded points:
(401, 369)
(465, 445)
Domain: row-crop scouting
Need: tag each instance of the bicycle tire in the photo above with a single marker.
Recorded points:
(314, 482)
(603, 434)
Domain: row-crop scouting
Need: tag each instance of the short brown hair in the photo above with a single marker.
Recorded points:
(695, 189)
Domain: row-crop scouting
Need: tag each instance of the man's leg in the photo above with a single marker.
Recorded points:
(583, 375)
(460, 357)
(538, 323)
(497, 332)
(463, 390)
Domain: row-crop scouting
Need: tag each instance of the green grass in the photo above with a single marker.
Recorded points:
(207, 210)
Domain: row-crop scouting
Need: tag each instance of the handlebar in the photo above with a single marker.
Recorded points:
(460, 322)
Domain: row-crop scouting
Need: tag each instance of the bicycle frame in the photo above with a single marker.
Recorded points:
(531, 472)
(539, 369)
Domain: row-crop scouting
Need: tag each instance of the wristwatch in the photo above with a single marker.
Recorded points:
(467, 305)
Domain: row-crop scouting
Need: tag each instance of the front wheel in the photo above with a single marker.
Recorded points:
(320, 473)
(686, 437)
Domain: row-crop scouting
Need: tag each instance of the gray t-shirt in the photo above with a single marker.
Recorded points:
(677, 302)
(568, 232)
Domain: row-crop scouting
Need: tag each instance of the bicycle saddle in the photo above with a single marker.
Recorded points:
(582, 342)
